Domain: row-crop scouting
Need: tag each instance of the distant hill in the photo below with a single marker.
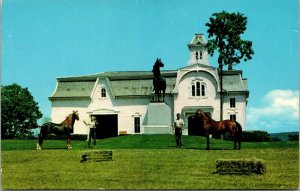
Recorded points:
(283, 136)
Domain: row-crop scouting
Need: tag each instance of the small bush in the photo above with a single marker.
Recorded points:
(246, 166)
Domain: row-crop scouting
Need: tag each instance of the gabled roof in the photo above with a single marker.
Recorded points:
(128, 83)
(198, 40)
(138, 83)
(197, 66)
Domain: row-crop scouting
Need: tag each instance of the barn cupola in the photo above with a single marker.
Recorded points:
(198, 51)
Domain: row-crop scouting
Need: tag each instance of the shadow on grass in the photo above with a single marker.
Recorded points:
(55, 148)
(197, 148)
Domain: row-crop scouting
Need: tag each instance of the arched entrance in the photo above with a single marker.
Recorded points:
(192, 128)
(189, 112)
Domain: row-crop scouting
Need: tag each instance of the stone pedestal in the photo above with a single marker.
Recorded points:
(158, 118)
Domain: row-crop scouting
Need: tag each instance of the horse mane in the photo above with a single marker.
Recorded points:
(209, 117)
(69, 117)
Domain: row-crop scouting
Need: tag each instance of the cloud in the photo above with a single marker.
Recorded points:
(279, 112)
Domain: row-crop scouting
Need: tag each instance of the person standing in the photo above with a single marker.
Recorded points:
(92, 135)
(178, 126)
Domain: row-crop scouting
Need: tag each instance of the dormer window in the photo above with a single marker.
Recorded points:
(103, 92)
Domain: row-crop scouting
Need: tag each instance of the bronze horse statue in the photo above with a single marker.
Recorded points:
(211, 126)
(62, 128)
(159, 83)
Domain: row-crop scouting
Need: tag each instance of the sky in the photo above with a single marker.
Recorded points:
(46, 39)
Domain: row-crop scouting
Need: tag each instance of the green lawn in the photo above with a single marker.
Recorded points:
(145, 162)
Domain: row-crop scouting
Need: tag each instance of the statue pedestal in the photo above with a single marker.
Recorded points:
(158, 119)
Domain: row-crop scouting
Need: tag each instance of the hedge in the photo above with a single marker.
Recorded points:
(240, 166)
(251, 136)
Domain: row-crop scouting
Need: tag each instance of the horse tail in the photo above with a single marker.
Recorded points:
(43, 132)
(239, 133)
(239, 127)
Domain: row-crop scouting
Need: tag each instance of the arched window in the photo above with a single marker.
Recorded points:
(198, 89)
(137, 122)
(193, 90)
(202, 89)
(197, 56)
(103, 92)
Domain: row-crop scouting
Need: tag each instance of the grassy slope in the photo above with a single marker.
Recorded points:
(145, 162)
(142, 142)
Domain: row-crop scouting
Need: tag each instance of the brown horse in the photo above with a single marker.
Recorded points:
(211, 126)
(64, 127)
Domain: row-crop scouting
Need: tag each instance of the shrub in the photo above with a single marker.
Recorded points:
(294, 137)
(251, 136)
(241, 166)
(275, 139)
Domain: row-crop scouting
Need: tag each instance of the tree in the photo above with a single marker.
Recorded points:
(19, 112)
(225, 30)
(294, 137)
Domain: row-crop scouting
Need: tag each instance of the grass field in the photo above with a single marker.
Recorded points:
(145, 162)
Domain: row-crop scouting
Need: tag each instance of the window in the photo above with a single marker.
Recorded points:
(232, 102)
(193, 90)
(202, 90)
(201, 55)
(103, 92)
(233, 117)
(198, 89)
(137, 125)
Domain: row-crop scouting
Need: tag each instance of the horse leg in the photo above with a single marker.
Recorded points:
(234, 144)
(39, 143)
(69, 141)
(207, 142)
(42, 135)
(158, 95)
(239, 141)
(234, 138)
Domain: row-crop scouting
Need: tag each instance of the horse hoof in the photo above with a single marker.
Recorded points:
(38, 147)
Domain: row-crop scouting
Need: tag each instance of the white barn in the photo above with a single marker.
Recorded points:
(121, 101)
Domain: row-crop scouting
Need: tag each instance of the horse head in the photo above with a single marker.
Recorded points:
(75, 115)
(202, 115)
(158, 63)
